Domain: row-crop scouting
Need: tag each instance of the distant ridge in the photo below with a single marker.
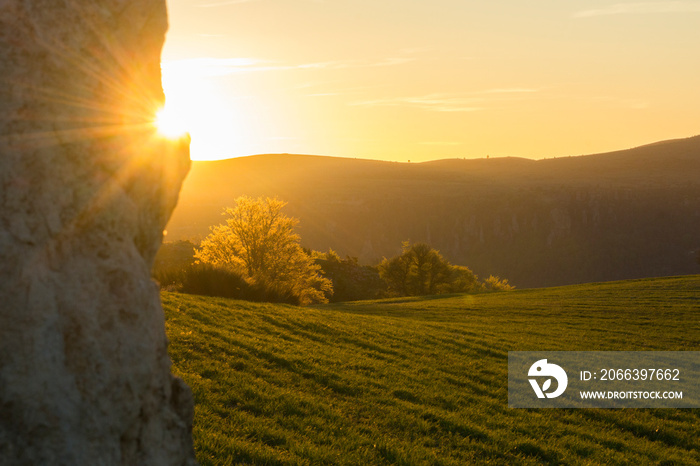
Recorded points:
(624, 214)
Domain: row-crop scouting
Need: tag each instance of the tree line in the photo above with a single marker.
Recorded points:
(256, 255)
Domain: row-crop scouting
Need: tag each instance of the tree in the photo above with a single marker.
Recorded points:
(259, 242)
(421, 270)
(351, 281)
(463, 279)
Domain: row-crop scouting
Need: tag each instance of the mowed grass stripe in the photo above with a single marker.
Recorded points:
(424, 381)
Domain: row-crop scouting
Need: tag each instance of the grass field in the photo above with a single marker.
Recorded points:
(424, 381)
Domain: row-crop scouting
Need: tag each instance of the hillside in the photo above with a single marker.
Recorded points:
(424, 381)
(625, 214)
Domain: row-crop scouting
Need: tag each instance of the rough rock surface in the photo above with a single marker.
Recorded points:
(86, 188)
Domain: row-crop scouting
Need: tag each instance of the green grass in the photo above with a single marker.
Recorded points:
(424, 380)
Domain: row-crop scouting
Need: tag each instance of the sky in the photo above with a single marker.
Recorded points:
(422, 80)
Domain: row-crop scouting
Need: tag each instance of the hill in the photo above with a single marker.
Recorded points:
(424, 381)
(619, 215)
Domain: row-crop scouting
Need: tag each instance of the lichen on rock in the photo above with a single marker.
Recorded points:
(86, 188)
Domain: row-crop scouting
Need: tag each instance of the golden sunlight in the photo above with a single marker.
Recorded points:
(196, 105)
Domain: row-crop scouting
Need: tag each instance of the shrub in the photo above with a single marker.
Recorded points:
(209, 280)
(497, 284)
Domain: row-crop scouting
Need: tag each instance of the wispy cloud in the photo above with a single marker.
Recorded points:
(470, 102)
(432, 102)
(343, 64)
(606, 101)
(508, 90)
(441, 143)
(234, 2)
(642, 8)
(223, 3)
(330, 89)
(627, 103)
(638, 104)
(207, 66)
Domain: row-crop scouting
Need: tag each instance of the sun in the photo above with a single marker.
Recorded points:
(171, 123)
(195, 104)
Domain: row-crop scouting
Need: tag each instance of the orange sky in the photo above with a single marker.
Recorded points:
(420, 80)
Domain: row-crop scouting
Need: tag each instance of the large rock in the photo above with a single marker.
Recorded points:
(86, 188)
